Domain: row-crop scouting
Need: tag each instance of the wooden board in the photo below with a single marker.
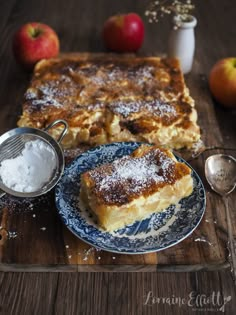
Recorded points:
(32, 236)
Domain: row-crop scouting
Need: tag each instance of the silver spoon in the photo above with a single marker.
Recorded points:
(220, 171)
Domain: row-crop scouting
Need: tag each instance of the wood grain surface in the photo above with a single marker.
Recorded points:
(25, 245)
(34, 227)
(116, 293)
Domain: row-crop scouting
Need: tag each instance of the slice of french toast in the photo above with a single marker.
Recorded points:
(135, 186)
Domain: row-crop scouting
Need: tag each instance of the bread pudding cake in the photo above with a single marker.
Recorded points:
(107, 98)
(135, 186)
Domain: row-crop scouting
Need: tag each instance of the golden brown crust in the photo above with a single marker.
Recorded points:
(145, 171)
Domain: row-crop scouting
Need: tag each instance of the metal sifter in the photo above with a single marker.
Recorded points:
(12, 144)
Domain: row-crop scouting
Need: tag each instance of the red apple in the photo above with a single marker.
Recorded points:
(222, 82)
(33, 42)
(124, 32)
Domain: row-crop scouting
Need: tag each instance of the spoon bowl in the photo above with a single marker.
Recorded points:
(220, 171)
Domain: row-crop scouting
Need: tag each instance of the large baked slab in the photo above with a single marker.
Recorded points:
(107, 98)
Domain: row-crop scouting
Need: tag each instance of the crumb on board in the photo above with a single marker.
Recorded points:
(12, 235)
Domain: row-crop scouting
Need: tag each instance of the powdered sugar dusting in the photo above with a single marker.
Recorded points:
(55, 93)
(155, 107)
(31, 94)
(72, 84)
(124, 178)
(138, 74)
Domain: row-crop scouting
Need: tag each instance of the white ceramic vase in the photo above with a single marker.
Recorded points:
(182, 42)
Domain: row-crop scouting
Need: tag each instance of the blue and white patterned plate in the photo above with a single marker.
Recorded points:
(159, 231)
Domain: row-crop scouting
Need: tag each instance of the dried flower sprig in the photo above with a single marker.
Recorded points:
(157, 9)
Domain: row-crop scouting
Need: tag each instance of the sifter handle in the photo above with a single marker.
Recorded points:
(64, 131)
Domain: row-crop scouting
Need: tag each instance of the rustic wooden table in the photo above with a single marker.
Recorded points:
(32, 235)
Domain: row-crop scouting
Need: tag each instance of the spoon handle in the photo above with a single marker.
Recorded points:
(189, 156)
(231, 239)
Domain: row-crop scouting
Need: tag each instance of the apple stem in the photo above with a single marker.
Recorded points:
(35, 32)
